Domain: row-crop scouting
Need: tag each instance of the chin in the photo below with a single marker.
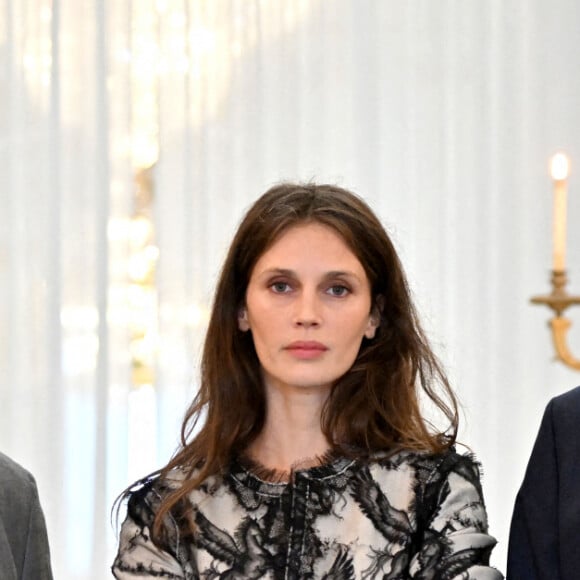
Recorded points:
(313, 384)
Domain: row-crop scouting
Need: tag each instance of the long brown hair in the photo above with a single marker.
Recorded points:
(374, 406)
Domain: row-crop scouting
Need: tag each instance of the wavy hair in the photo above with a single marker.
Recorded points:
(374, 406)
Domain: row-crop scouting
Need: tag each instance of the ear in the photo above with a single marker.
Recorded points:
(374, 318)
(243, 323)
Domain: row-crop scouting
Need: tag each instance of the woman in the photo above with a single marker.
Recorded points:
(314, 460)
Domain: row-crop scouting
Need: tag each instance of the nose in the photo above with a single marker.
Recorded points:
(307, 312)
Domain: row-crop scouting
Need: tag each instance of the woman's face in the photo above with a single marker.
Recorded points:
(308, 307)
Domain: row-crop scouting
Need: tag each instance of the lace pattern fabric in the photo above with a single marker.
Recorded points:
(409, 515)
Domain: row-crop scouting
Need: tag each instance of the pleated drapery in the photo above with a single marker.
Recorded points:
(134, 134)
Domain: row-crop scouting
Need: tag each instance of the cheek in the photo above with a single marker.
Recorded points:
(351, 336)
(358, 323)
(263, 325)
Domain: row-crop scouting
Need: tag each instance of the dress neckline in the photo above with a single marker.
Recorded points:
(253, 473)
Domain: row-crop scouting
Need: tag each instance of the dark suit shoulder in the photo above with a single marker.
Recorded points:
(10, 471)
(562, 417)
(17, 486)
(566, 404)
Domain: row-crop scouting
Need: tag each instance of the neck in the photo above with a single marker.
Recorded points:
(292, 436)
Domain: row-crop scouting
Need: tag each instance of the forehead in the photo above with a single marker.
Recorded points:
(309, 243)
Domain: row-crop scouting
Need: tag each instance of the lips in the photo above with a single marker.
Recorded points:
(306, 349)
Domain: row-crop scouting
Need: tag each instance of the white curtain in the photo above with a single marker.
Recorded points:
(134, 134)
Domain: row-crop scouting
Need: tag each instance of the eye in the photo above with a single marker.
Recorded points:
(338, 290)
(280, 287)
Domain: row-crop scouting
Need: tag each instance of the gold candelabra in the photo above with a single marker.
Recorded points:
(142, 283)
(559, 300)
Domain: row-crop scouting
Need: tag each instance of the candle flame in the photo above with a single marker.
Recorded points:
(559, 167)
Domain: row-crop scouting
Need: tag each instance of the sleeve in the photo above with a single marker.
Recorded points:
(533, 541)
(23, 532)
(36, 564)
(454, 543)
(138, 556)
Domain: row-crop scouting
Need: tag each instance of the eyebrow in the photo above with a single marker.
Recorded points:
(292, 273)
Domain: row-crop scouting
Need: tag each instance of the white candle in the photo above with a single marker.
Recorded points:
(559, 170)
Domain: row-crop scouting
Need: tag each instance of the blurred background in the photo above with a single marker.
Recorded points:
(133, 135)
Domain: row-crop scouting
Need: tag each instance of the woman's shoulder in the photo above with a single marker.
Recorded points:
(152, 490)
(144, 499)
(431, 468)
(146, 495)
(403, 456)
(447, 484)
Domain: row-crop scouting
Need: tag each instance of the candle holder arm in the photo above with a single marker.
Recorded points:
(560, 327)
(558, 301)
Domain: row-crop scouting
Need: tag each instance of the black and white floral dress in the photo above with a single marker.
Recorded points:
(408, 515)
